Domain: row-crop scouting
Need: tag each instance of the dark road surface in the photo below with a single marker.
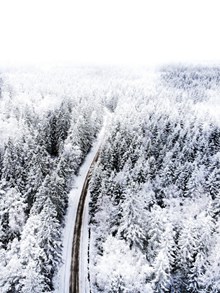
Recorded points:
(74, 276)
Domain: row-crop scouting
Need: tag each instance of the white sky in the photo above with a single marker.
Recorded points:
(108, 31)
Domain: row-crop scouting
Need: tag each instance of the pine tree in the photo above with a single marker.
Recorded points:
(188, 244)
(53, 188)
(133, 219)
(163, 264)
(33, 257)
(63, 123)
(10, 171)
(154, 229)
(50, 237)
(16, 211)
(12, 271)
(213, 182)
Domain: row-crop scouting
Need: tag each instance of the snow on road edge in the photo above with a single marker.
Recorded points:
(83, 266)
(62, 278)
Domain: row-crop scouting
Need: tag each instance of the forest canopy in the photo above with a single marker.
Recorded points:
(154, 193)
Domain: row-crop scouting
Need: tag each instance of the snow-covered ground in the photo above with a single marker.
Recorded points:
(61, 280)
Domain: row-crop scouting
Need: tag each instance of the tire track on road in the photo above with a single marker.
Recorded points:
(74, 275)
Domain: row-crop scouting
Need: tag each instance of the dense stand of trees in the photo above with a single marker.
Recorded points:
(36, 164)
(155, 191)
(154, 208)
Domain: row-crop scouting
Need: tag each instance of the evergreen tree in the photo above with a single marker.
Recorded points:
(133, 219)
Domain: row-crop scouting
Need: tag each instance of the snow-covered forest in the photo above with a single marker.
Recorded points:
(155, 193)
(47, 126)
(155, 190)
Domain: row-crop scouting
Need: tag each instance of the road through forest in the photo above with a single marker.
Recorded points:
(74, 277)
(72, 274)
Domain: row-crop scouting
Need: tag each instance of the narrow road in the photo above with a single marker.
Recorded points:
(74, 275)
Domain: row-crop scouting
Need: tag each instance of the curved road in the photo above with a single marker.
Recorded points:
(74, 276)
